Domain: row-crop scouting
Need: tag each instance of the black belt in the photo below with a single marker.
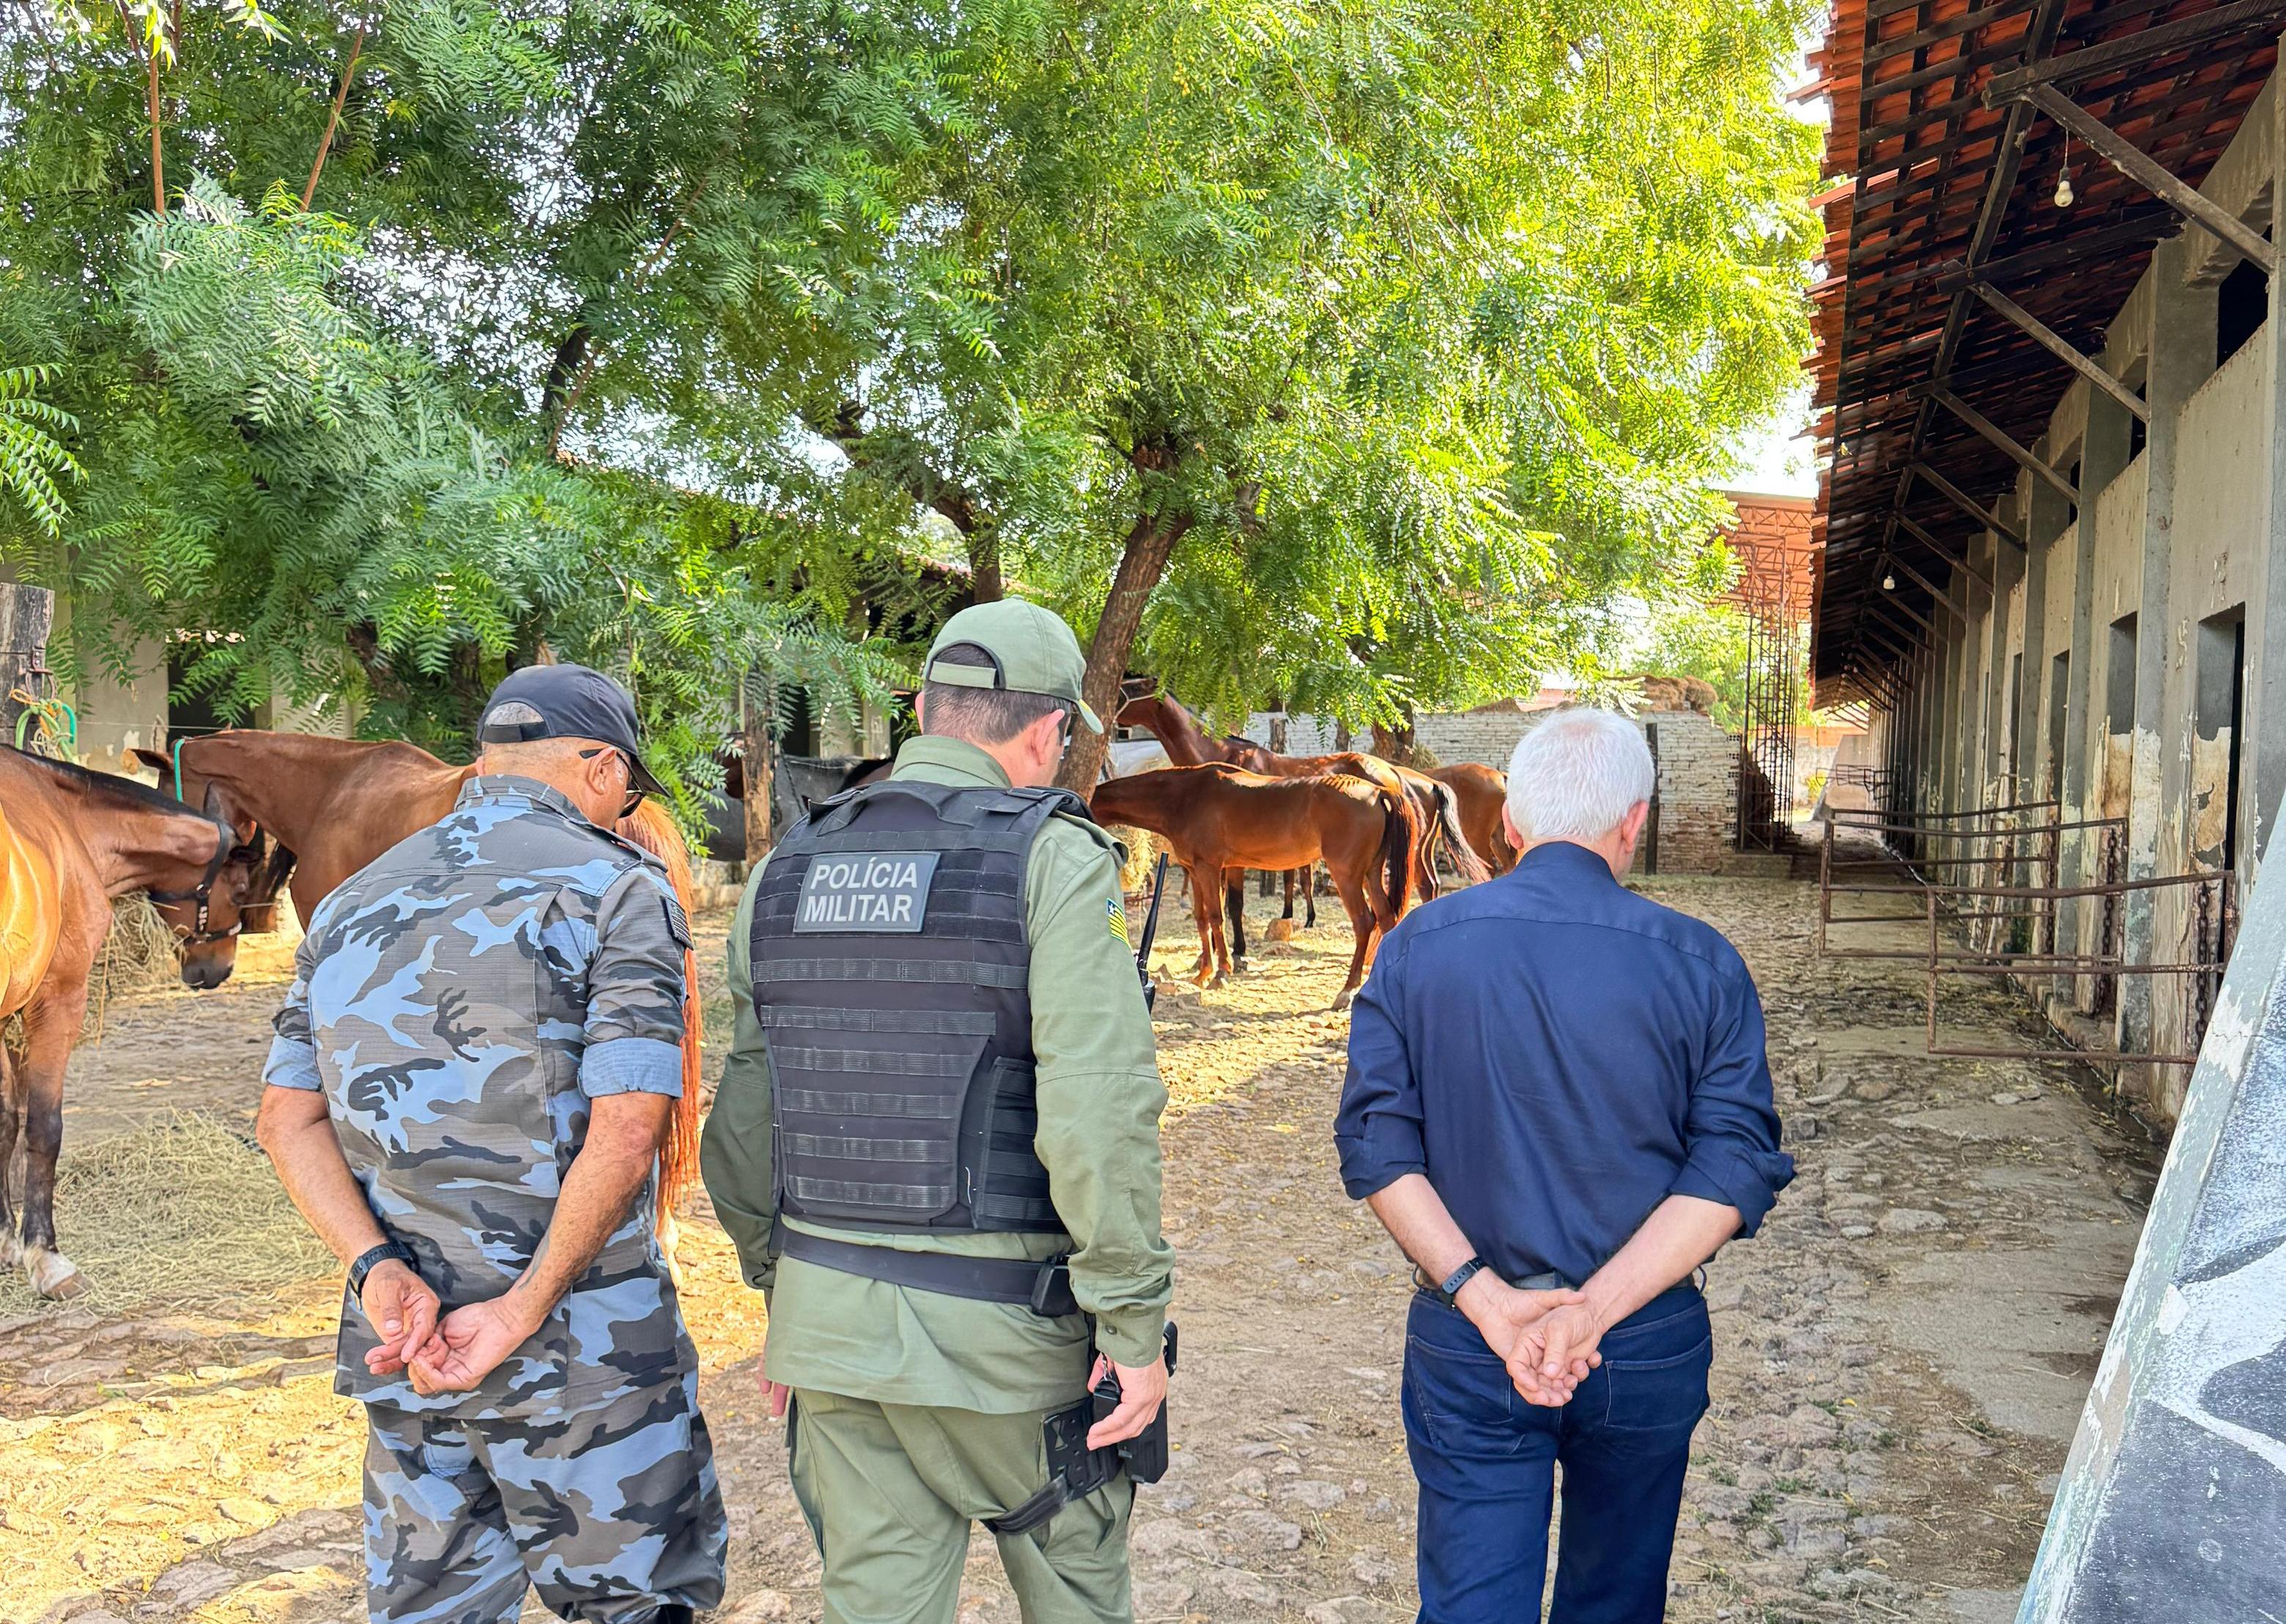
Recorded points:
(1044, 1287)
(1549, 1282)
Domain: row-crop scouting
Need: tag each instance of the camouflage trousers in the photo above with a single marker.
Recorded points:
(610, 1512)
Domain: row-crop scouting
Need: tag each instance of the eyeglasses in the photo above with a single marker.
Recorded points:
(635, 796)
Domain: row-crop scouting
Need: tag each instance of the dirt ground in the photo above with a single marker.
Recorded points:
(1900, 1355)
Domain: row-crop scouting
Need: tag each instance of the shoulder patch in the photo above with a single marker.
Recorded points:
(678, 923)
(1116, 908)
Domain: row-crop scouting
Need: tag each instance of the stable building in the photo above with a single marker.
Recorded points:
(2052, 551)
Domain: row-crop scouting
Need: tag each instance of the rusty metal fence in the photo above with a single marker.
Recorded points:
(1984, 891)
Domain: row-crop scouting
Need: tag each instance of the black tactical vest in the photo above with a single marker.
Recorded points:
(890, 978)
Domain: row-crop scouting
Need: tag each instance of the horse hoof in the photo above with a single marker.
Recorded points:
(1341, 999)
(12, 1250)
(53, 1275)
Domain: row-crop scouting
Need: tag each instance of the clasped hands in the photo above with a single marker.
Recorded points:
(1547, 1339)
(441, 1352)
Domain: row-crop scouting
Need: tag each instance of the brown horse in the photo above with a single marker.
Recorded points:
(1436, 811)
(1188, 745)
(333, 805)
(1215, 818)
(1482, 791)
(70, 841)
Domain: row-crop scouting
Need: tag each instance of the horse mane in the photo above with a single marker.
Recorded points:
(650, 827)
(109, 786)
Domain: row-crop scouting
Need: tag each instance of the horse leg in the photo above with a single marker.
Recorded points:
(1234, 911)
(51, 1023)
(12, 1250)
(1216, 931)
(1309, 895)
(1289, 895)
(1203, 903)
(1363, 924)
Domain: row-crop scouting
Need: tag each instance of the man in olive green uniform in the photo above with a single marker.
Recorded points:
(943, 1082)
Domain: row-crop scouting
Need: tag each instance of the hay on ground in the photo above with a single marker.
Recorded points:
(184, 1213)
(1143, 850)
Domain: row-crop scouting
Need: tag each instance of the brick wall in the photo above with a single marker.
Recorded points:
(1698, 767)
(1698, 791)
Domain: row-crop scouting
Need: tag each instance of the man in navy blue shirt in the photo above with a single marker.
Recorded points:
(1558, 1105)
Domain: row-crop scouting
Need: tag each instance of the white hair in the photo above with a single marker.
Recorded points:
(1577, 776)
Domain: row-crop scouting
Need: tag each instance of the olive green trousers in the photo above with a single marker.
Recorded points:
(890, 1491)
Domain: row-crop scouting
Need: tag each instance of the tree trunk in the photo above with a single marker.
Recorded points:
(1341, 735)
(759, 767)
(1397, 744)
(1278, 733)
(1149, 543)
(28, 614)
(984, 565)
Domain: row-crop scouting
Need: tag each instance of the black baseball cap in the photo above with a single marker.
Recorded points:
(566, 702)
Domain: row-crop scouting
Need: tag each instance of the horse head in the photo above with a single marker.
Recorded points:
(212, 904)
(258, 866)
(1140, 705)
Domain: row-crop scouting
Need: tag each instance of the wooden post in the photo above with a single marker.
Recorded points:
(28, 614)
(760, 765)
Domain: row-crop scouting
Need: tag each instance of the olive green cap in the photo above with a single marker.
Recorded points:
(1034, 651)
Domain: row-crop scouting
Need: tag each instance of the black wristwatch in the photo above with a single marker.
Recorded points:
(380, 1254)
(1457, 1279)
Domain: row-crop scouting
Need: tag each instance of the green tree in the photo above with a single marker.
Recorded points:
(1361, 355)
(400, 344)
(31, 458)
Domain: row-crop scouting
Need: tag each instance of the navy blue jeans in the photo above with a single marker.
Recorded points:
(1487, 1463)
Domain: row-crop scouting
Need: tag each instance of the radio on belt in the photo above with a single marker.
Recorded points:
(883, 892)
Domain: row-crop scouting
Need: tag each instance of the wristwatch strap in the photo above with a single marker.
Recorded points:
(1458, 1278)
(382, 1253)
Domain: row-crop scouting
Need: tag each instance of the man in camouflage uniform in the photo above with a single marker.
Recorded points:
(472, 1072)
(950, 947)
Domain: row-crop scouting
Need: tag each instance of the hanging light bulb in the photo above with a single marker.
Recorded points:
(2064, 193)
(1888, 583)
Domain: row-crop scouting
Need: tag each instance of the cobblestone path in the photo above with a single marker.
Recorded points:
(1900, 1355)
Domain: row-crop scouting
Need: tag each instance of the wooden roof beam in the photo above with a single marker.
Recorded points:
(1968, 504)
(1996, 435)
(1891, 600)
(2132, 48)
(2042, 334)
(1960, 561)
(2137, 166)
(1930, 587)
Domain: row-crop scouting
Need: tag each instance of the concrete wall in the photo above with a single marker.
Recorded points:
(118, 711)
(2186, 537)
(1698, 767)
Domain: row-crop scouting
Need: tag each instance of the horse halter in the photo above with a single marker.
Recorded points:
(199, 935)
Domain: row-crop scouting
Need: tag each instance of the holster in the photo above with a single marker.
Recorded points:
(1075, 1470)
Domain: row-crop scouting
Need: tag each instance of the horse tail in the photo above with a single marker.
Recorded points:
(1473, 868)
(649, 827)
(1399, 834)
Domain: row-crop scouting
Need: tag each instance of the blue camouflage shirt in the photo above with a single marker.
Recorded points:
(460, 1000)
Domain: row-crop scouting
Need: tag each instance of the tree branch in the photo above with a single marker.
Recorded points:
(912, 475)
(570, 356)
(334, 118)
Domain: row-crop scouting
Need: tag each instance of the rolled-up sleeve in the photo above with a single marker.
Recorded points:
(1731, 1153)
(1377, 1131)
(636, 983)
(293, 1061)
